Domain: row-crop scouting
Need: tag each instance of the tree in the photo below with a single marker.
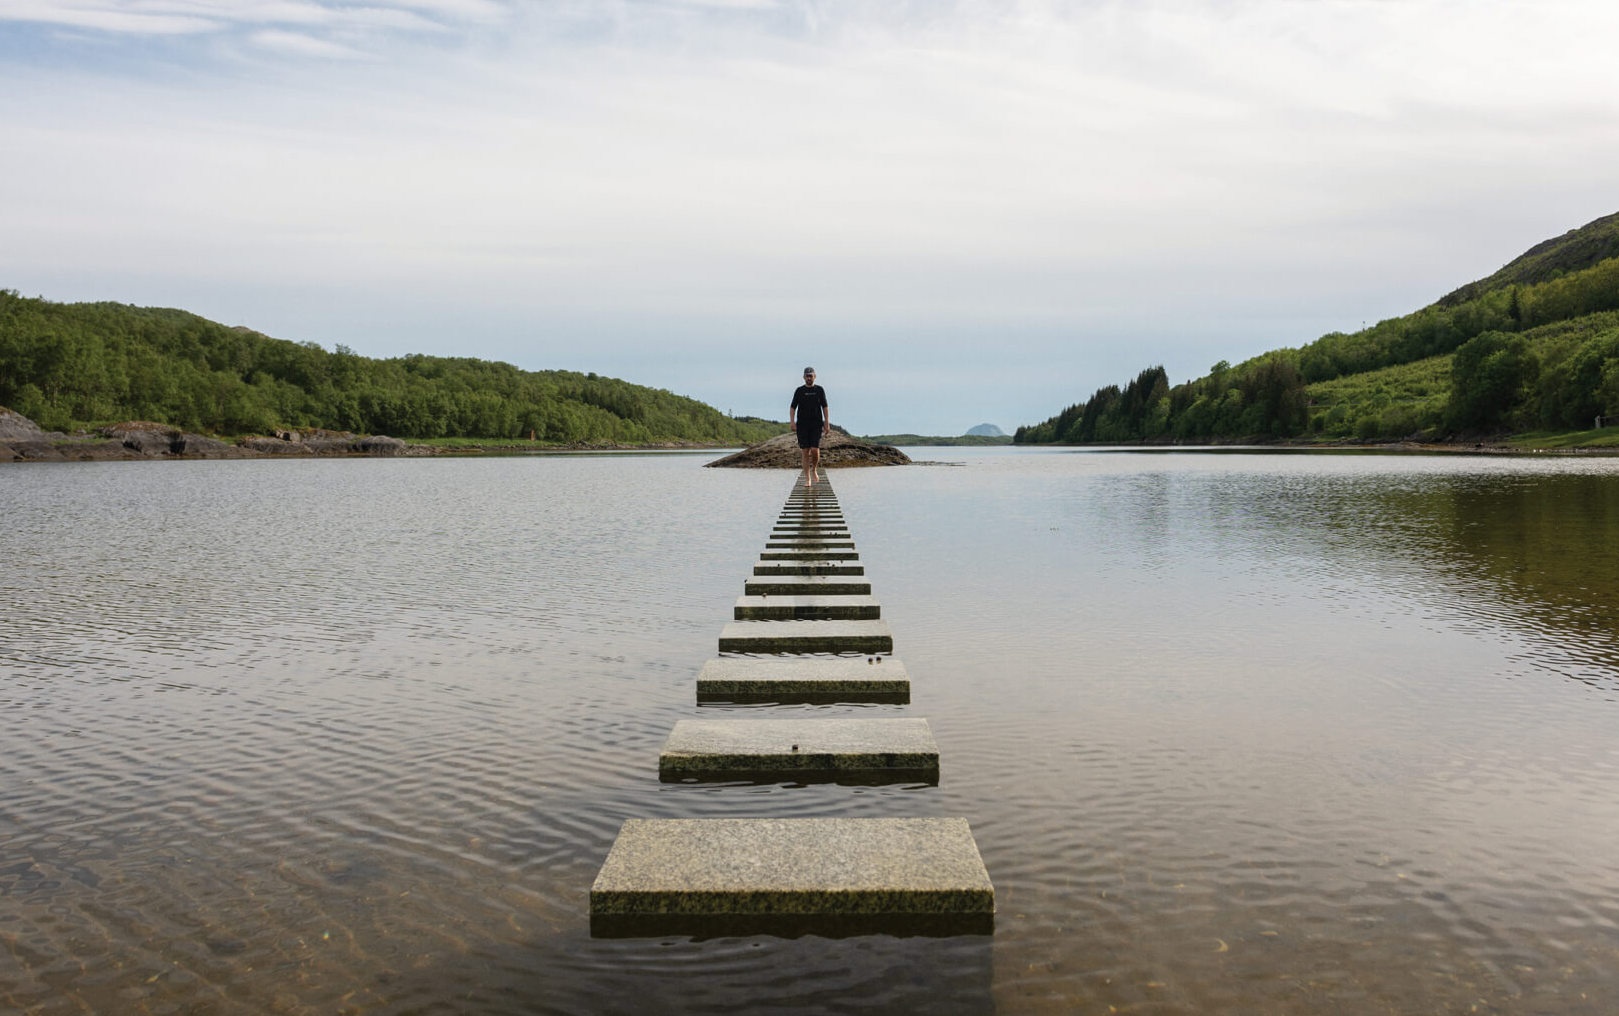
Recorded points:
(1490, 378)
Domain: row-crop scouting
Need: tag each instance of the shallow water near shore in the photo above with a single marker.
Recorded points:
(1236, 732)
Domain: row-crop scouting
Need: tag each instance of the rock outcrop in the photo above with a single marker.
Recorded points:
(21, 440)
(17, 427)
(330, 442)
(839, 450)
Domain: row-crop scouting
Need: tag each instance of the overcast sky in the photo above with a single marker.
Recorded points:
(959, 212)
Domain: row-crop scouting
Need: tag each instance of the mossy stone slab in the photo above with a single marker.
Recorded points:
(804, 679)
(807, 585)
(806, 637)
(838, 744)
(815, 566)
(810, 554)
(807, 608)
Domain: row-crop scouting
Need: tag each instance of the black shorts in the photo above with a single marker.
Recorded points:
(810, 437)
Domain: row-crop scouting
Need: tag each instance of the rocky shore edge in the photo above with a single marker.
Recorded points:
(22, 440)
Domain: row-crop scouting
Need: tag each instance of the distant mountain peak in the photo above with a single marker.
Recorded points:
(985, 430)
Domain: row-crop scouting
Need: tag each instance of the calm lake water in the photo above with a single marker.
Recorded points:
(1236, 732)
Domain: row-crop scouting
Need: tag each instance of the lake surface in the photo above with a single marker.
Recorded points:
(1236, 732)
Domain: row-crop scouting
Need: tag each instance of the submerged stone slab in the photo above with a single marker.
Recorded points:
(855, 868)
(806, 637)
(807, 585)
(835, 744)
(816, 566)
(806, 608)
(804, 679)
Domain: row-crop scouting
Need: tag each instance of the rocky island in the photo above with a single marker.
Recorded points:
(839, 450)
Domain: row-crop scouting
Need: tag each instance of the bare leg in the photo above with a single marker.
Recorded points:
(809, 466)
(815, 462)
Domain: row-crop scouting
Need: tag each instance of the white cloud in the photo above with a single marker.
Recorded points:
(197, 17)
(132, 18)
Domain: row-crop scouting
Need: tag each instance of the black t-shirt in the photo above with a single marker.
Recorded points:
(809, 400)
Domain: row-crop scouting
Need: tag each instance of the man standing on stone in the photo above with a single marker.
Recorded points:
(810, 417)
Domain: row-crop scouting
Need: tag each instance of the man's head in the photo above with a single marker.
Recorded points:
(809, 375)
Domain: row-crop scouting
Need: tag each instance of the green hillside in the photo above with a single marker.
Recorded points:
(74, 366)
(1532, 347)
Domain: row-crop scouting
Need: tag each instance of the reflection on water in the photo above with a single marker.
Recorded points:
(1238, 732)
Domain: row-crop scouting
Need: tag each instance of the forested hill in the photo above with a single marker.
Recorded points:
(72, 366)
(1532, 347)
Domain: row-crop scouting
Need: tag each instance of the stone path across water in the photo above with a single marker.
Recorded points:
(812, 632)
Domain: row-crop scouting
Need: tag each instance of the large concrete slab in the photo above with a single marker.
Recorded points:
(806, 637)
(804, 679)
(807, 608)
(807, 585)
(844, 744)
(816, 566)
(851, 873)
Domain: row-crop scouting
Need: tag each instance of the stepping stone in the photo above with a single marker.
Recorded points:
(837, 745)
(844, 875)
(809, 554)
(807, 585)
(816, 566)
(804, 608)
(807, 637)
(803, 679)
